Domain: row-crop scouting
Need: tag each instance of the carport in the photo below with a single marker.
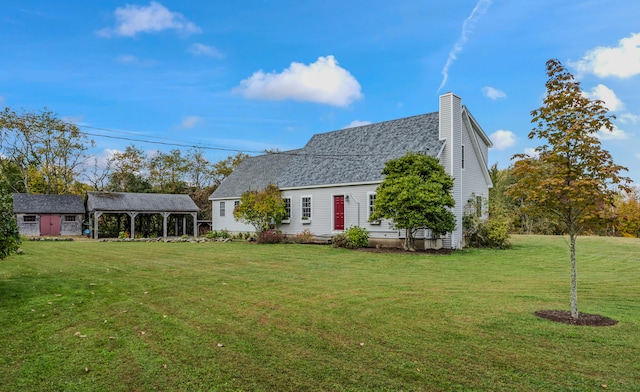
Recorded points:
(133, 204)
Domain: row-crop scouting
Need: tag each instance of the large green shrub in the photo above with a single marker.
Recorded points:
(9, 235)
(482, 231)
(353, 238)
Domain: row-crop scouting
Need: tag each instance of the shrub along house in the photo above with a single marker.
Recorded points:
(48, 215)
(330, 184)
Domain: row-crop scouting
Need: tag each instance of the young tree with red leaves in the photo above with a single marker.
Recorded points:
(573, 177)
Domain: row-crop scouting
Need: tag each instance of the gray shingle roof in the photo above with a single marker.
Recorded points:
(24, 203)
(139, 202)
(352, 155)
(258, 171)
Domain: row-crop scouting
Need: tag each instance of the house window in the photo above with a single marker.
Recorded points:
(29, 218)
(69, 218)
(222, 208)
(463, 157)
(370, 204)
(306, 208)
(287, 207)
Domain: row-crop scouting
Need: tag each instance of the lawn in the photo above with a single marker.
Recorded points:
(98, 316)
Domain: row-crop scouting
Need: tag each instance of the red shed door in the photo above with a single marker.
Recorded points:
(50, 225)
(338, 212)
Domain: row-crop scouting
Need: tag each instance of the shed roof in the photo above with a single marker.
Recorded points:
(24, 203)
(139, 202)
(346, 156)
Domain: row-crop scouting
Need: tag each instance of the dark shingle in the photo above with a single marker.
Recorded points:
(139, 202)
(24, 203)
(255, 173)
(358, 154)
(352, 155)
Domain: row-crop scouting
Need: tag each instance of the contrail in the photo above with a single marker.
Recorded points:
(480, 9)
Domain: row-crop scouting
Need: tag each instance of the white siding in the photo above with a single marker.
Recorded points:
(228, 222)
(473, 177)
(451, 130)
(321, 224)
(456, 129)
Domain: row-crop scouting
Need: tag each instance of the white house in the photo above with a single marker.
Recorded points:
(330, 184)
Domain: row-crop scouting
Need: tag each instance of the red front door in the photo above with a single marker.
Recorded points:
(50, 225)
(338, 212)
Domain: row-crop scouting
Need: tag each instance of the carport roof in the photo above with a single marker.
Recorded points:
(139, 202)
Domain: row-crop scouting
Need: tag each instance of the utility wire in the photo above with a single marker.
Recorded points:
(296, 152)
(174, 143)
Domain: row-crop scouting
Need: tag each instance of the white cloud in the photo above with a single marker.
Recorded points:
(638, 155)
(128, 59)
(629, 118)
(357, 123)
(133, 19)
(190, 122)
(502, 139)
(76, 120)
(531, 152)
(101, 160)
(622, 61)
(606, 95)
(493, 93)
(323, 82)
(467, 27)
(616, 134)
(199, 49)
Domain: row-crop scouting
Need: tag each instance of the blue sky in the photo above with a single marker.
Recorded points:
(254, 75)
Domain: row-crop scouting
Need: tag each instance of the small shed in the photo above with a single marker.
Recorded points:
(134, 204)
(48, 215)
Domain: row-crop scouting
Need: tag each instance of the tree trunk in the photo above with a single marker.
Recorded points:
(405, 244)
(409, 243)
(574, 276)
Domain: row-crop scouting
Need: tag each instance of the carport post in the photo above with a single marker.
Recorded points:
(133, 215)
(195, 224)
(96, 215)
(165, 215)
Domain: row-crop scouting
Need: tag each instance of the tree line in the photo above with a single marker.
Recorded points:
(42, 154)
(620, 217)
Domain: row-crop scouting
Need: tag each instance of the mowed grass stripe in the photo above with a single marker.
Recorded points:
(238, 316)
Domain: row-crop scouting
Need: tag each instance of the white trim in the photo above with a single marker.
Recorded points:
(222, 209)
(369, 208)
(332, 185)
(475, 144)
(478, 128)
(439, 156)
(290, 209)
(462, 157)
(297, 188)
(302, 220)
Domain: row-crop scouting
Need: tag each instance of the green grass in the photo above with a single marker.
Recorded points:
(151, 316)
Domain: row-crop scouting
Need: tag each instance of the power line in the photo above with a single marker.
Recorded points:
(174, 143)
(207, 147)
